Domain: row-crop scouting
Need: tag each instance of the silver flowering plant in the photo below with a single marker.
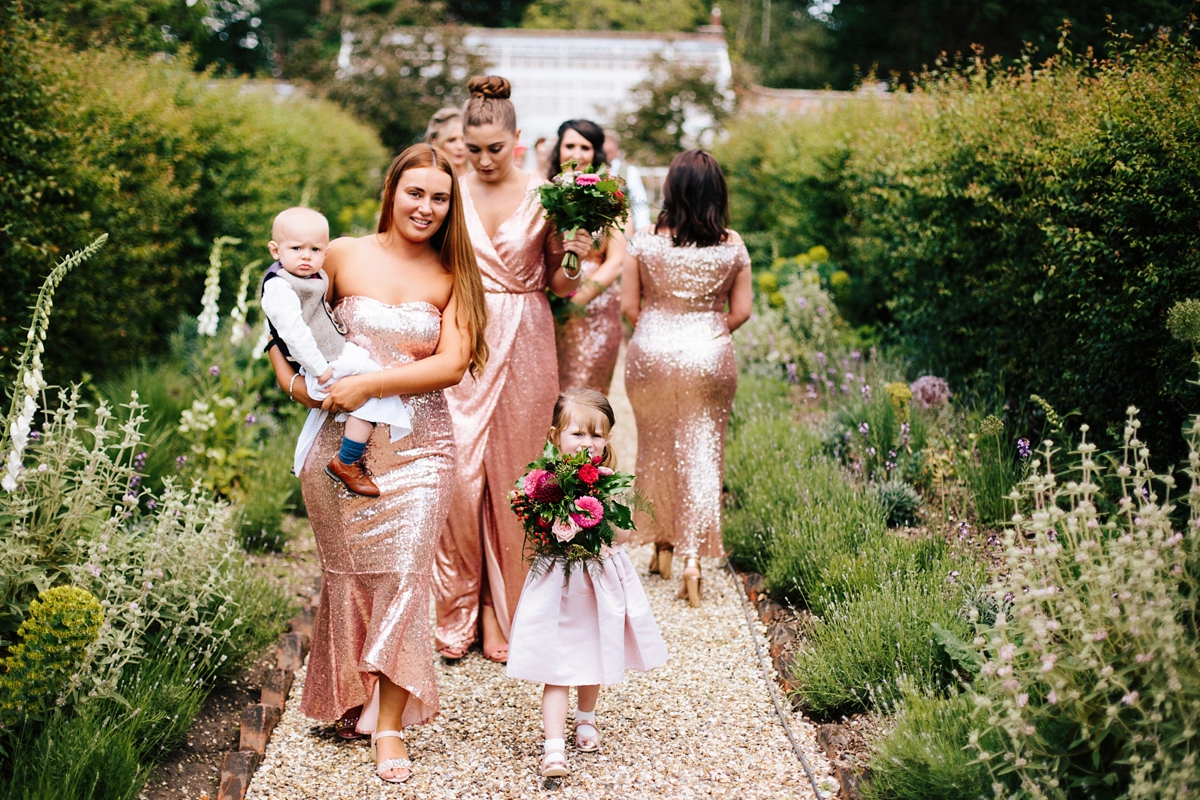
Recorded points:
(1089, 673)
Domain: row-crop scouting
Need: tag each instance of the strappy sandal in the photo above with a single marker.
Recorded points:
(345, 728)
(452, 653)
(402, 765)
(660, 562)
(554, 764)
(587, 742)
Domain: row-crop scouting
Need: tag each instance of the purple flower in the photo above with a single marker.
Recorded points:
(150, 504)
(857, 356)
(821, 359)
(864, 428)
(792, 376)
(802, 302)
(866, 392)
(179, 462)
(820, 310)
(904, 434)
(871, 452)
(35, 435)
(251, 419)
(1024, 450)
(214, 370)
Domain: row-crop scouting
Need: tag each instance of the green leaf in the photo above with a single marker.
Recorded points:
(959, 651)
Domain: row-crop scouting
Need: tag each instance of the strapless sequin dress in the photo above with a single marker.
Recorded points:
(588, 345)
(377, 553)
(681, 376)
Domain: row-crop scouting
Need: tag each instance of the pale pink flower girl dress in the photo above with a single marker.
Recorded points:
(585, 631)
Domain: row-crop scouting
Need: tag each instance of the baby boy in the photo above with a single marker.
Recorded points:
(293, 298)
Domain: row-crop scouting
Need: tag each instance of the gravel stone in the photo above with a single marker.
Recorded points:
(700, 726)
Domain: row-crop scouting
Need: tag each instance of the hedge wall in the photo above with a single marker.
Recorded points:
(1019, 232)
(163, 159)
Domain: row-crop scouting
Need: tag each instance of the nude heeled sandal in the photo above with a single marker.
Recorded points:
(692, 581)
(660, 561)
(390, 764)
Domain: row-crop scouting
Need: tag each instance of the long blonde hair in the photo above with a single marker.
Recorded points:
(598, 410)
(452, 241)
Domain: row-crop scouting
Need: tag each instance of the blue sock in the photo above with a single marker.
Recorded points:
(351, 451)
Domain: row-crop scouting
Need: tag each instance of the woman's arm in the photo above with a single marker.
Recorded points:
(631, 290)
(290, 381)
(741, 298)
(606, 273)
(443, 369)
(554, 250)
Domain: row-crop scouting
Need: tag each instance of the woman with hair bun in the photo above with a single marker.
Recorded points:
(589, 340)
(686, 288)
(500, 416)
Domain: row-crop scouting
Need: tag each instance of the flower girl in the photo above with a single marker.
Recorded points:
(586, 627)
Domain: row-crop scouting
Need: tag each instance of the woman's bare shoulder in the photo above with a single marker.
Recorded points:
(732, 236)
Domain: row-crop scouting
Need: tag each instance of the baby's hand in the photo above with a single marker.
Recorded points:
(325, 376)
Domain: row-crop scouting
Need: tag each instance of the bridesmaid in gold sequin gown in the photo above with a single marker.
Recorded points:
(412, 296)
(686, 288)
(589, 341)
(500, 417)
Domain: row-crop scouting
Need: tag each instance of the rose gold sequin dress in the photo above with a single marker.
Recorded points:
(588, 345)
(377, 554)
(500, 424)
(681, 376)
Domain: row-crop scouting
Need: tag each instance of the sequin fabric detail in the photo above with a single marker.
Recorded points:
(377, 554)
(588, 346)
(500, 423)
(681, 376)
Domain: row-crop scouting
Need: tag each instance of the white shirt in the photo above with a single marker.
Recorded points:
(639, 204)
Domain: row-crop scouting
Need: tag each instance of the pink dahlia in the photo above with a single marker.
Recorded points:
(587, 179)
(565, 530)
(592, 512)
(542, 487)
(604, 470)
(589, 474)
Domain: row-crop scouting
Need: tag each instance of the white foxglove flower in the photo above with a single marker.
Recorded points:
(260, 347)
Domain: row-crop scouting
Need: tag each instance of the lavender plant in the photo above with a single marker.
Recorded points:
(1089, 676)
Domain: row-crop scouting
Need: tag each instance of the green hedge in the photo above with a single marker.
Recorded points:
(1018, 232)
(163, 159)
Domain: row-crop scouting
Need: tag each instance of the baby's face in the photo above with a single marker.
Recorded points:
(300, 252)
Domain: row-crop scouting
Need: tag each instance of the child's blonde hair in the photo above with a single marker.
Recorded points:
(597, 413)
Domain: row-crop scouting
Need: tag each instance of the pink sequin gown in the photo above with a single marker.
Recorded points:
(377, 554)
(588, 346)
(681, 376)
(500, 424)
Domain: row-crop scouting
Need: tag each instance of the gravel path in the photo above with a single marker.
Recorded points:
(701, 726)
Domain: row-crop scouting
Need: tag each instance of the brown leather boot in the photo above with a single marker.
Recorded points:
(353, 476)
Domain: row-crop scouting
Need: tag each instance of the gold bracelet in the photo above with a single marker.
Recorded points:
(292, 386)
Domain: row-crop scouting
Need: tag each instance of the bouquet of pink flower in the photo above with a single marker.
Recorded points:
(570, 507)
(592, 200)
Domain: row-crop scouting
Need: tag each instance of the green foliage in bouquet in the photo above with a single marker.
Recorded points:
(571, 508)
(590, 199)
(63, 623)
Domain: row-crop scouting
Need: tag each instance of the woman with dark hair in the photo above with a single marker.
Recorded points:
(686, 287)
(411, 294)
(589, 340)
(500, 417)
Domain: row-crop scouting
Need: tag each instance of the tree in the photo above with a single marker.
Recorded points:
(397, 70)
(617, 15)
(676, 107)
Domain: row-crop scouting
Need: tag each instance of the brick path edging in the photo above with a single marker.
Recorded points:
(259, 720)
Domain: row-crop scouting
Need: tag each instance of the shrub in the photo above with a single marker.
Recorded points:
(1034, 227)
(165, 159)
(901, 503)
(63, 623)
(924, 752)
(1089, 679)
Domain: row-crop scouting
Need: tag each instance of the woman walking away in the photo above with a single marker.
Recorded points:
(686, 287)
(499, 416)
(589, 339)
(412, 297)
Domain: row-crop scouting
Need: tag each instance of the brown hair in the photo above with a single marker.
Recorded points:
(489, 103)
(600, 411)
(695, 205)
(452, 241)
(588, 130)
(438, 122)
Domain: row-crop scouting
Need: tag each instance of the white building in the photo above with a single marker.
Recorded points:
(561, 75)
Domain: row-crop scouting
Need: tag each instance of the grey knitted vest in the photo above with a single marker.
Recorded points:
(315, 311)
